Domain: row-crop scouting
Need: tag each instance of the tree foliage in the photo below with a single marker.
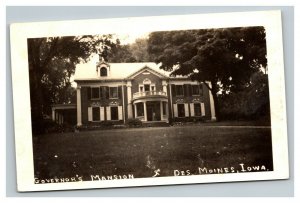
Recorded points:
(135, 52)
(226, 57)
(52, 62)
(250, 103)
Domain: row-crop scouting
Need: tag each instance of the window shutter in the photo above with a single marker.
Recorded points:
(102, 113)
(185, 90)
(192, 109)
(202, 109)
(201, 89)
(173, 90)
(120, 113)
(101, 93)
(120, 92)
(107, 92)
(189, 90)
(108, 114)
(90, 114)
(186, 110)
(89, 91)
(175, 110)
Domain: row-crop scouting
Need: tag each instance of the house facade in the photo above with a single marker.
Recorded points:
(121, 91)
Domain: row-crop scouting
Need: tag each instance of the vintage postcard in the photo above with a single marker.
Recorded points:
(149, 101)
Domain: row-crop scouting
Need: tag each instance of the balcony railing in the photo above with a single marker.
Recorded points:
(149, 93)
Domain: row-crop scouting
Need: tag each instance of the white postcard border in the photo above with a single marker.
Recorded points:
(19, 33)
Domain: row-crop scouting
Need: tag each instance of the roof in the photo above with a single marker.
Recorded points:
(88, 71)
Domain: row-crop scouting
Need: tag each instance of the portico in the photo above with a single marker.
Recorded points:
(151, 109)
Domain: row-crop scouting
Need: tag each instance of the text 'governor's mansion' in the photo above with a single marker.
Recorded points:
(122, 91)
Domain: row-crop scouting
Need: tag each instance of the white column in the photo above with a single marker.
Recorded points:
(129, 98)
(161, 111)
(164, 84)
(79, 122)
(135, 111)
(167, 111)
(123, 106)
(53, 114)
(171, 102)
(145, 111)
(212, 104)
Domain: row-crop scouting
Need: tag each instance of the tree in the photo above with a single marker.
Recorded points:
(225, 57)
(121, 54)
(250, 103)
(52, 62)
(135, 52)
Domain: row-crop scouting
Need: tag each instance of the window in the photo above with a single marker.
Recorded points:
(140, 109)
(103, 71)
(95, 93)
(113, 92)
(181, 112)
(179, 90)
(197, 109)
(195, 90)
(114, 112)
(96, 114)
(152, 88)
(141, 88)
(147, 88)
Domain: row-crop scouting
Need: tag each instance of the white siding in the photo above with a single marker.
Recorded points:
(202, 109)
(90, 114)
(192, 109)
(186, 110)
(175, 110)
(120, 112)
(108, 114)
(102, 113)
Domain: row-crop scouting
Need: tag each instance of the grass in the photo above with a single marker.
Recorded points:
(143, 150)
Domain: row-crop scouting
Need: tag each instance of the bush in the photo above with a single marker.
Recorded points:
(134, 122)
(49, 126)
(107, 123)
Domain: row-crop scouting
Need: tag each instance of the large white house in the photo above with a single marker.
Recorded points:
(120, 91)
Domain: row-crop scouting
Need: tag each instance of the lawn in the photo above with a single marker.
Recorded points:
(178, 149)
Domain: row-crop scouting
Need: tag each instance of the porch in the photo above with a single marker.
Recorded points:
(151, 111)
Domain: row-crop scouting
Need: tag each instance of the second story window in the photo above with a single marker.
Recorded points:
(95, 93)
(195, 90)
(113, 92)
(179, 90)
(147, 88)
(103, 71)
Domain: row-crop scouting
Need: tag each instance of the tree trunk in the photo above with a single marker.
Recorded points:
(36, 100)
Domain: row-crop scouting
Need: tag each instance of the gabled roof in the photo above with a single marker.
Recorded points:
(146, 68)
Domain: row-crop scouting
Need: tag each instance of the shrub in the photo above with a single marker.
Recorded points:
(107, 123)
(134, 122)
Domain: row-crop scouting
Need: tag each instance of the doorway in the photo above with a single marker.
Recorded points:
(153, 111)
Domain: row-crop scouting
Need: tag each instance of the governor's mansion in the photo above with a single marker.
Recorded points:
(121, 91)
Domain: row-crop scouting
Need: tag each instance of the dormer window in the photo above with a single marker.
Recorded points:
(103, 71)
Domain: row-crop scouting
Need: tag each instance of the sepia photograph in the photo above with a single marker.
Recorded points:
(152, 103)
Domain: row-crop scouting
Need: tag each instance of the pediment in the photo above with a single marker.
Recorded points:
(146, 71)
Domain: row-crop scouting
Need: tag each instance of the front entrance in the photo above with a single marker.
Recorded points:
(153, 111)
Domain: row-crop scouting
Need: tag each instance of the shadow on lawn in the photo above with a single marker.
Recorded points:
(152, 151)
